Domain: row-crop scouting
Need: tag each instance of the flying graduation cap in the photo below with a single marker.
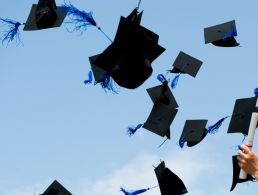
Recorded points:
(56, 189)
(194, 131)
(236, 172)
(162, 114)
(169, 182)
(128, 59)
(184, 64)
(43, 15)
(222, 35)
(242, 114)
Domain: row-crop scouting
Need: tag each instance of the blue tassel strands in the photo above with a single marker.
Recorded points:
(136, 191)
(132, 130)
(175, 81)
(107, 84)
(12, 32)
(81, 19)
(214, 128)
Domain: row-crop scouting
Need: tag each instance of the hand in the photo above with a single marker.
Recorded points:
(248, 160)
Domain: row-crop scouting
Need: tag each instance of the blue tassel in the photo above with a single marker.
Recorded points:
(181, 143)
(89, 81)
(134, 192)
(132, 130)
(107, 83)
(231, 33)
(214, 128)
(161, 78)
(256, 92)
(175, 81)
(80, 19)
(13, 31)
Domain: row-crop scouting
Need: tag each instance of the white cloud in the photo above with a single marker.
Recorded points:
(139, 173)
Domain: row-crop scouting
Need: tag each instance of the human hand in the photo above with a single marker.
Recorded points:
(248, 160)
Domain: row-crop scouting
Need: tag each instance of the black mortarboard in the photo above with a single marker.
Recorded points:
(241, 116)
(162, 93)
(169, 183)
(160, 119)
(56, 189)
(236, 172)
(193, 133)
(45, 14)
(185, 63)
(128, 59)
(222, 34)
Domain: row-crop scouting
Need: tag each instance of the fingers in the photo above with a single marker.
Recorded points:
(241, 154)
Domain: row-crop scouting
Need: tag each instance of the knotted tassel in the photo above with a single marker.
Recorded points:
(175, 81)
(256, 92)
(89, 80)
(161, 78)
(214, 128)
(134, 192)
(132, 130)
(107, 83)
(13, 31)
(80, 19)
(181, 143)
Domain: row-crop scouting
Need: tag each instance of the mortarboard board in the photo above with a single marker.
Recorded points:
(128, 59)
(222, 34)
(169, 183)
(56, 189)
(193, 133)
(241, 116)
(160, 119)
(236, 172)
(185, 63)
(98, 73)
(162, 93)
(44, 15)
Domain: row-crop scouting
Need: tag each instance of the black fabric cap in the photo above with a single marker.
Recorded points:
(44, 15)
(162, 93)
(56, 189)
(222, 34)
(128, 59)
(185, 63)
(194, 131)
(169, 183)
(160, 119)
(242, 114)
(236, 172)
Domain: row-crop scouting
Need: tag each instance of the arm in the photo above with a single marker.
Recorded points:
(248, 161)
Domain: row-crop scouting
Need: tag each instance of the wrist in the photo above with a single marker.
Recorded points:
(256, 175)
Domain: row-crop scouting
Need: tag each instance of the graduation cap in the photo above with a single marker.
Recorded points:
(185, 64)
(194, 131)
(44, 15)
(242, 114)
(162, 93)
(128, 59)
(160, 119)
(236, 172)
(222, 35)
(169, 183)
(56, 189)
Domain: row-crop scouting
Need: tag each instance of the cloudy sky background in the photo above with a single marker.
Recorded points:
(54, 127)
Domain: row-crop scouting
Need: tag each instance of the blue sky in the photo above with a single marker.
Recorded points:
(54, 127)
